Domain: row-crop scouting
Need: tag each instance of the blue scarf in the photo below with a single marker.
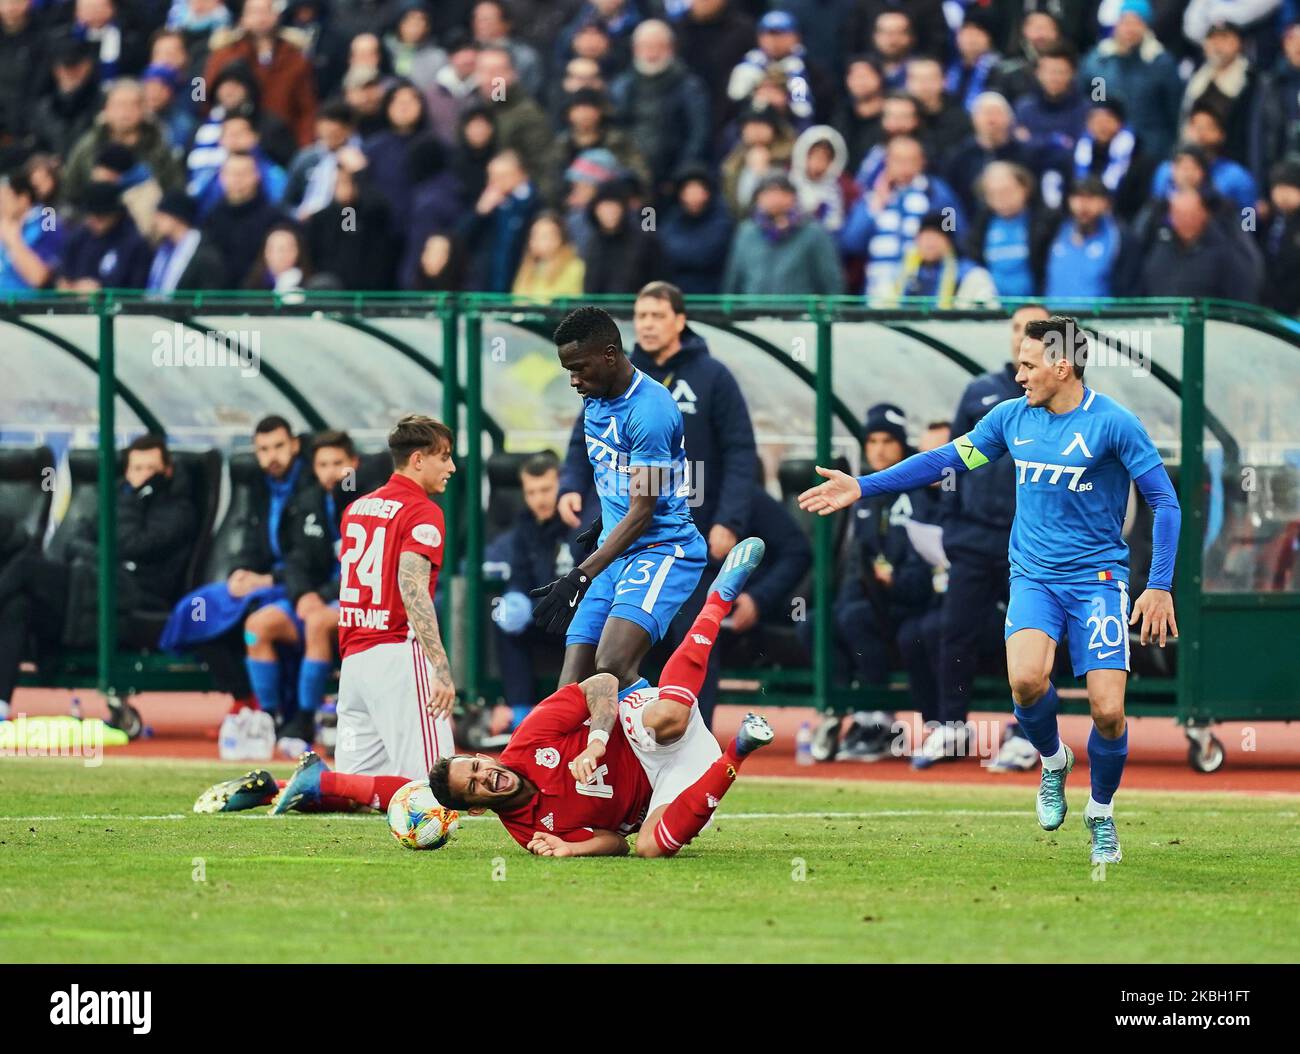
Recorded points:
(281, 491)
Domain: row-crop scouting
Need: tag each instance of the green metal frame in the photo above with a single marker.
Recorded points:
(1200, 692)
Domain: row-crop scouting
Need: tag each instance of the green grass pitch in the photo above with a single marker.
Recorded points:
(109, 864)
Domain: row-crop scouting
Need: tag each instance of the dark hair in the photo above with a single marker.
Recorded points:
(338, 111)
(272, 423)
(150, 441)
(440, 784)
(588, 326)
(1064, 338)
(664, 291)
(20, 182)
(539, 464)
(416, 433)
(333, 437)
(1207, 107)
(1060, 50)
(899, 93)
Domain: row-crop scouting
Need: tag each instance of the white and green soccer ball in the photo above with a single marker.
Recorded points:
(417, 820)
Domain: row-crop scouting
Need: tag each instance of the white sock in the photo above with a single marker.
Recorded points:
(4, 710)
(1053, 762)
(1098, 811)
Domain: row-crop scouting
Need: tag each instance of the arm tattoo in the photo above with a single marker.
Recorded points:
(601, 690)
(413, 583)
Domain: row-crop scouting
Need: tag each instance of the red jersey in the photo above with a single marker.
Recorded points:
(376, 529)
(551, 736)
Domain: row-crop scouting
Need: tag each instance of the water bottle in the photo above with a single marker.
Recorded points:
(230, 740)
(803, 745)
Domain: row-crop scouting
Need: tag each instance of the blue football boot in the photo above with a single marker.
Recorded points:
(1051, 794)
(736, 568)
(303, 787)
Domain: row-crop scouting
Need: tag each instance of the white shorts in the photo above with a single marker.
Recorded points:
(674, 767)
(384, 728)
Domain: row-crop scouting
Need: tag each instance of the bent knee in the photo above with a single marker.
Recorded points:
(1027, 689)
(646, 846)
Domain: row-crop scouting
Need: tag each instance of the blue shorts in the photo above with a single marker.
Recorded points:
(647, 586)
(1094, 615)
(287, 606)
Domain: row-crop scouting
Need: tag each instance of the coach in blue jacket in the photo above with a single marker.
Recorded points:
(720, 449)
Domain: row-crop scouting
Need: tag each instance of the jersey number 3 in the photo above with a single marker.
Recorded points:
(366, 559)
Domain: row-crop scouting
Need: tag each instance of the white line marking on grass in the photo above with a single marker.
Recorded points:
(829, 815)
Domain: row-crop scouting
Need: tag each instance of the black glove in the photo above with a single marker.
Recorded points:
(585, 542)
(560, 600)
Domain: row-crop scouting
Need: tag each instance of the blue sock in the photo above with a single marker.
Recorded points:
(1106, 759)
(313, 675)
(640, 683)
(265, 678)
(521, 710)
(1038, 722)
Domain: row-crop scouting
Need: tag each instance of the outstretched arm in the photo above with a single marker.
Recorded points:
(1155, 607)
(601, 691)
(601, 843)
(413, 572)
(920, 470)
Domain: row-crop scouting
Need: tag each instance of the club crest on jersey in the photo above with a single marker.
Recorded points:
(547, 757)
(548, 821)
(1077, 442)
(426, 534)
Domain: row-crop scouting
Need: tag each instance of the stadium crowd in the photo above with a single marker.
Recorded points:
(966, 150)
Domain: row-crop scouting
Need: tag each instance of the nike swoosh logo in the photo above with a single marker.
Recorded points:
(1107, 654)
(1021, 442)
(573, 602)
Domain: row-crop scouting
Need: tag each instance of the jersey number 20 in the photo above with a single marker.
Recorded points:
(367, 560)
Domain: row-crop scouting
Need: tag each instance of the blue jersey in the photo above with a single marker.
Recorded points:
(640, 427)
(1072, 483)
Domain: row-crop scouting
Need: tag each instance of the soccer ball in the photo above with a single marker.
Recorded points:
(417, 820)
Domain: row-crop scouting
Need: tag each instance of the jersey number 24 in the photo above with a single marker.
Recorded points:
(366, 559)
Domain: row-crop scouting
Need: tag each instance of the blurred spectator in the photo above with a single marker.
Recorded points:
(437, 202)
(1109, 150)
(551, 267)
(490, 26)
(1193, 256)
(817, 172)
(927, 26)
(363, 91)
(765, 144)
(541, 549)
(1016, 74)
(304, 622)
(780, 48)
(115, 164)
(883, 222)
(414, 50)
(31, 236)
(169, 110)
(494, 232)
(1226, 83)
(24, 64)
(587, 127)
(476, 145)
(285, 263)
(1281, 239)
(198, 17)
(123, 121)
(579, 75)
(859, 108)
(312, 26)
(622, 255)
(933, 268)
(1084, 258)
(1134, 67)
(901, 116)
(236, 91)
(441, 266)
(886, 592)
(1276, 128)
(184, 259)
(351, 239)
(238, 136)
(968, 75)
(589, 171)
(600, 29)
(1051, 115)
(283, 73)
(945, 121)
(62, 117)
(712, 38)
(1008, 235)
(521, 124)
(663, 105)
(238, 222)
(1202, 16)
(309, 185)
(1204, 130)
(117, 44)
(696, 233)
(778, 250)
(56, 600)
(388, 168)
(893, 42)
(992, 139)
(453, 86)
(106, 251)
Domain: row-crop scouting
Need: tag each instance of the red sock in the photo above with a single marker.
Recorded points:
(684, 671)
(687, 814)
(370, 792)
(244, 702)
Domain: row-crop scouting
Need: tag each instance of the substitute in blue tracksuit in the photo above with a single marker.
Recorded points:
(720, 449)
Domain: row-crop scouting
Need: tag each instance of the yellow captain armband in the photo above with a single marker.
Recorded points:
(968, 452)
